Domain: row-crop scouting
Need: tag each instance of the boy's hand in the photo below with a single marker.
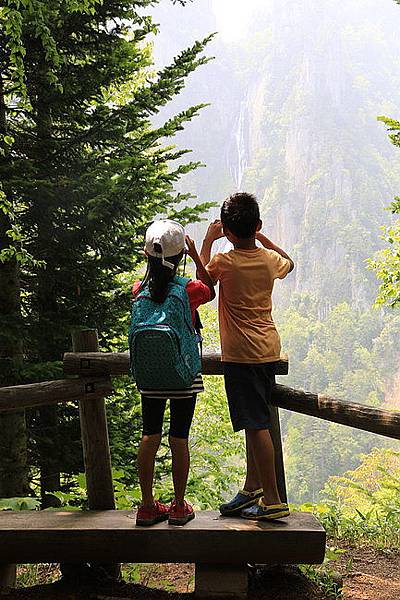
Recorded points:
(215, 231)
(191, 247)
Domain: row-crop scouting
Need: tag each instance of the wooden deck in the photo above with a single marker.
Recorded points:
(104, 536)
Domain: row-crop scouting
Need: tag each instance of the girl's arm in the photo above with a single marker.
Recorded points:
(214, 232)
(201, 271)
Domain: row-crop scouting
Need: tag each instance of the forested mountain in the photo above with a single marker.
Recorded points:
(293, 118)
(294, 99)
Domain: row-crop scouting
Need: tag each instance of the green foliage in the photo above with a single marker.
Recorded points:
(348, 355)
(74, 496)
(363, 507)
(37, 574)
(217, 454)
(19, 503)
(15, 234)
(386, 262)
(323, 575)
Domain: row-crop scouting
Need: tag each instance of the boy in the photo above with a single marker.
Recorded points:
(250, 345)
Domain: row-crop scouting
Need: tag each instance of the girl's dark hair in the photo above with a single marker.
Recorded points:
(157, 276)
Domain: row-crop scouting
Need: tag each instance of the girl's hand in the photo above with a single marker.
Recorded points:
(215, 231)
(191, 247)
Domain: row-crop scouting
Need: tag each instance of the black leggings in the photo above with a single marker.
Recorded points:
(181, 409)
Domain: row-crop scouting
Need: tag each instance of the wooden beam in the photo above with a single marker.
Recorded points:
(52, 392)
(117, 363)
(101, 536)
(360, 416)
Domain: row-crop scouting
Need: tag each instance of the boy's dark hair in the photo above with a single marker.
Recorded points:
(240, 214)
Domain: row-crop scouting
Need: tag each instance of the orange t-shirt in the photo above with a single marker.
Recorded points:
(246, 277)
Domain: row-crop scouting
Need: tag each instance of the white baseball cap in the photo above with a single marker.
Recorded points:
(170, 235)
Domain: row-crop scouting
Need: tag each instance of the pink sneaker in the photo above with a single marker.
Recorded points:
(150, 516)
(180, 514)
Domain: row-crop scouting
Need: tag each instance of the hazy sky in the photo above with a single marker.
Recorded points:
(233, 16)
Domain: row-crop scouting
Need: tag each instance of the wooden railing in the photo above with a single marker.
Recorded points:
(374, 420)
(89, 374)
(93, 372)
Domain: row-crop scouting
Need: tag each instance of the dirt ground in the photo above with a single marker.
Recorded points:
(367, 575)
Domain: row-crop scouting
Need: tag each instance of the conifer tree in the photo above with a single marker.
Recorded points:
(83, 167)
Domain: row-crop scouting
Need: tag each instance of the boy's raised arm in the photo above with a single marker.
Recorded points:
(271, 246)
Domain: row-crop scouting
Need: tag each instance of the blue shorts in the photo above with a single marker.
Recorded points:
(248, 389)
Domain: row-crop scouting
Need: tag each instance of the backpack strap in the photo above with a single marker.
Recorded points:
(182, 281)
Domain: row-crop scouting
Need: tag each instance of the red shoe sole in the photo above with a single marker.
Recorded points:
(182, 520)
(148, 522)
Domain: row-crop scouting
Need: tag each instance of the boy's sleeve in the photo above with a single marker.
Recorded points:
(214, 268)
(280, 266)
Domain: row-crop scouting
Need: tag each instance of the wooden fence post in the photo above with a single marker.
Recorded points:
(96, 449)
(275, 432)
(95, 443)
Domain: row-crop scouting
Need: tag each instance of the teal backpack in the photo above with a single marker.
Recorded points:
(164, 353)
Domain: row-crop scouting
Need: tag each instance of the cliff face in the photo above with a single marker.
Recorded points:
(293, 119)
(316, 155)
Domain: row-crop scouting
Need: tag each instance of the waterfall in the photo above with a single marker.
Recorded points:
(237, 157)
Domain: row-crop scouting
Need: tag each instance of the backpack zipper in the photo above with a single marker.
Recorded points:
(166, 327)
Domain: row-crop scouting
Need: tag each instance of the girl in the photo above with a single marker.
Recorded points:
(164, 248)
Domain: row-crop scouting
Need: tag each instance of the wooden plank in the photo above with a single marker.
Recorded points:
(117, 363)
(52, 392)
(80, 536)
(85, 340)
(360, 416)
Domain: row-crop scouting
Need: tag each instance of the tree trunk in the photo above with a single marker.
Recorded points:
(46, 294)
